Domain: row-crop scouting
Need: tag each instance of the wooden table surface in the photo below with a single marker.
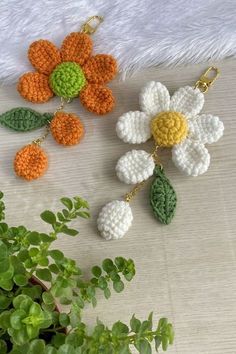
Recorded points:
(185, 271)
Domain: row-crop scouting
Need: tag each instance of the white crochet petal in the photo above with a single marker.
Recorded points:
(134, 127)
(187, 100)
(154, 98)
(191, 157)
(206, 128)
(135, 166)
(115, 220)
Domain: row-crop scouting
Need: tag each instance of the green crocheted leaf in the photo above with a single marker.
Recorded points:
(24, 119)
(162, 197)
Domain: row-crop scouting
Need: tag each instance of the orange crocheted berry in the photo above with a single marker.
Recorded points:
(100, 69)
(97, 98)
(76, 47)
(35, 87)
(30, 162)
(66, 128)
(44, 56)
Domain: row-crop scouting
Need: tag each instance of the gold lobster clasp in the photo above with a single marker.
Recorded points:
(207, 79)
(91, 25)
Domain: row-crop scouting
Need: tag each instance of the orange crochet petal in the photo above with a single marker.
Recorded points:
(66, 128)
(76, 47)
(30, 162)
(100, 69)
(97, 98)
(44, 56)
(34, 87)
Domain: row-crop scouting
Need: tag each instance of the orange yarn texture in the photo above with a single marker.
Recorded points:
(97, 99)
(76, 48)
(67, 129)
(30, 162)
(35, 87)
(100, 69)
(44, 55)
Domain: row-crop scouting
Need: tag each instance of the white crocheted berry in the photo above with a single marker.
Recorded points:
(135, 166)
(115, 220)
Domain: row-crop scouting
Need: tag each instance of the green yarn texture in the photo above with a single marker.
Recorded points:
(24, 119)
(67, 80)
(162, 197)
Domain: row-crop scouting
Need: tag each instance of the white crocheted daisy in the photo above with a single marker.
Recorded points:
(172, 122)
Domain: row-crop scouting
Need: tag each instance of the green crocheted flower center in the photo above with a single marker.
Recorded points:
(67, 80)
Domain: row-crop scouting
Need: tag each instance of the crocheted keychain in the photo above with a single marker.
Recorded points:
(172, 123)
(68, 73)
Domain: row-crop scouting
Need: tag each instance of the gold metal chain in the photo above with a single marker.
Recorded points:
(130, 195)
(91, 25)
(41, 139)
(207, 79)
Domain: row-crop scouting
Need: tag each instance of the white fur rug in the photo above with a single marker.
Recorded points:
(139, 33)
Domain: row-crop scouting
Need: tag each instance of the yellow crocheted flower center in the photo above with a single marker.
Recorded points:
(169, 128)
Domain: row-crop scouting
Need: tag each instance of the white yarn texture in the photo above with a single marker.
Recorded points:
(135, 166)
(138, 33)
(114, 220)
(190, 156)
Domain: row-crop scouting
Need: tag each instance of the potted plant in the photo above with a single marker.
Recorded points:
(30, 321)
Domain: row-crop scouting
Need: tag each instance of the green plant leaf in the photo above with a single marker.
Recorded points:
(5, 319)
(20, 279)
(56, 255)
(83, 214)
(162, 197)
(49, 217)
(97, 272)
(70, 232)
(50, 350)
(144, 347)
(118, 286)
(3, 251)
(107, 293)
(135, 324)
(119, 328)
(108, 265)
(170, 333)
(59, 339)
(16, 319)
(22, 302)
(4, 302)
(5, 266)
(64, 319)
(157, 342)
(36, 346)
(66, 349)
(165, 342)
(3, 347)
(24, 119)
(6, 284)
(44, 274)
(34, 238)
(67, 202)
(3, 228)
(48, 298)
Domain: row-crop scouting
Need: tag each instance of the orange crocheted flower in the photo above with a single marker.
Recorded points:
(30, 162)
(69, 72)
(66, 128)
